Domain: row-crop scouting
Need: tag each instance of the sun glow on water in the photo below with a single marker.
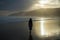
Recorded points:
(42, 27)
(46, 28)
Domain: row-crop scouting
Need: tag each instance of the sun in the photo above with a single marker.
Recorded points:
(43, 2)
(40, 4)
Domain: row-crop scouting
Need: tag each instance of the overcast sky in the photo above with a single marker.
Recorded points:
(10, 6)
(6, 6)
(19, 4)
(15, 4)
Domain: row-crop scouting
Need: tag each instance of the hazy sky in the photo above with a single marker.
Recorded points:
(15, 4)
(23, 4)
(8, 7)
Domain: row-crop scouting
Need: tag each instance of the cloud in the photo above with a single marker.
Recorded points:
(16, 4)
(5, 12)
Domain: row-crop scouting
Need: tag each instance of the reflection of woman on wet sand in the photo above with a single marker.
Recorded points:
(30, 37)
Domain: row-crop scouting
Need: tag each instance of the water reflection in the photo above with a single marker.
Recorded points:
(30, 36)
(47, 27)
(42, 26)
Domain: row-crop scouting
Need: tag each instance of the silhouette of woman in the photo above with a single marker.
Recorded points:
(30, 24)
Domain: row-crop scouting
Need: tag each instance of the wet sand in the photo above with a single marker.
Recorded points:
(16, 28)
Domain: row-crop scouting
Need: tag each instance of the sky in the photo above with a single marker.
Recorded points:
(15, 4)
(25, 4)
(8, 7)
(11, 6)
